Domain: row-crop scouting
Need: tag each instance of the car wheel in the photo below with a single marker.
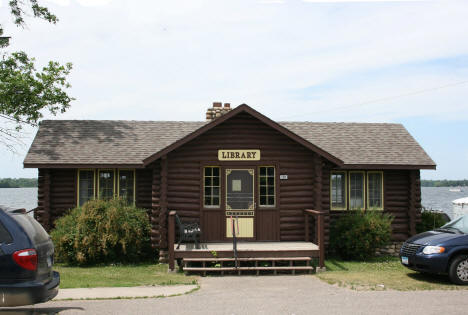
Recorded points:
(458, 271)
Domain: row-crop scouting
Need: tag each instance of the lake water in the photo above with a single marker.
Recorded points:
(436, 198)
(19, 197)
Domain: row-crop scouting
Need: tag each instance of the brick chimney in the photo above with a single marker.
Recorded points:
(217, 110)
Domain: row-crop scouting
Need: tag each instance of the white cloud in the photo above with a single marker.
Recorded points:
(171, 59)
(93, 3)
(60, 2)
(357, 1)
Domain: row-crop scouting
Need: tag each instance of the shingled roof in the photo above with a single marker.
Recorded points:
(61, 143)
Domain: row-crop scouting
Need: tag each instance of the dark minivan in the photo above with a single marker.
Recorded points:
(26, 259)
(441, 251)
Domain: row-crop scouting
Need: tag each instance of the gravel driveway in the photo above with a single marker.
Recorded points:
(275, 295)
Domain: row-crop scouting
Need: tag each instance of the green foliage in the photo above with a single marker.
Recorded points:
(102, 232)
(357, 235)
(429, 221)
(444, 183)
(18, 10)
(25, 93)
(18, 182)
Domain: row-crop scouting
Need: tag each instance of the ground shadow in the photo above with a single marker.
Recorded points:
(431, 278)
(37, 311)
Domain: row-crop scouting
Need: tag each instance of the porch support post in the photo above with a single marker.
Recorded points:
(163, 207)
(320, 239)
(171, 239)
(320, 219)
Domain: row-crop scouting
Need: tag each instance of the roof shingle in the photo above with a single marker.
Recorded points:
(80, 142)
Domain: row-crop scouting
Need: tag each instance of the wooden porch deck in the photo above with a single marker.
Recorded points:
(273, 254)
(248, 250)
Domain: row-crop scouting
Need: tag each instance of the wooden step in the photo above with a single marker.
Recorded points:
(248, 259)
(248, 268)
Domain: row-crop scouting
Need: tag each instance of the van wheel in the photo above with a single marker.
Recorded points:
(458, 271)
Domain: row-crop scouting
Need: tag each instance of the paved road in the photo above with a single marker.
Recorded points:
(274, 295)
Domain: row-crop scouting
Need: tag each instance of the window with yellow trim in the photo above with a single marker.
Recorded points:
(211, 186)
(338, 190)
(106, 184)
(127, 185)
(85, 186)
(267, 186)
(375, 190)
(356, 190)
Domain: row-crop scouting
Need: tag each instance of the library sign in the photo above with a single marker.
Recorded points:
(239, 155)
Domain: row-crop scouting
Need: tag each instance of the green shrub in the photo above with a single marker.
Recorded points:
(429, 221)
(357, 235)
(101, 231)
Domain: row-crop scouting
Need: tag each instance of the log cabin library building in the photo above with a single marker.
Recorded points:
(271, 176)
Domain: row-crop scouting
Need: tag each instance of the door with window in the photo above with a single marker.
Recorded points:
(240, 202)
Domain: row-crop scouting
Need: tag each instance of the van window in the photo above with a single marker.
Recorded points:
(35, 231)
(5, 236)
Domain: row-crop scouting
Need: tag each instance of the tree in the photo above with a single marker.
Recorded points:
(25, 92)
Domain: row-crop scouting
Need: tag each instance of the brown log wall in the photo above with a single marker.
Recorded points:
(244, 132)
(62, 192)
(57, 193)
(402, 199)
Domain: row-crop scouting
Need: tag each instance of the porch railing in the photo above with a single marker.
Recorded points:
(319, 234)
(319, 231)
(171, 238)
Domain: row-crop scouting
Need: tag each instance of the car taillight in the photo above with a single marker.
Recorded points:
(26, 258)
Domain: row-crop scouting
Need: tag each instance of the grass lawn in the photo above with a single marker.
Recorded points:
(386, 271)
(119, 276)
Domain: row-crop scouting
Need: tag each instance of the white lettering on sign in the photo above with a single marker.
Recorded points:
(239, 155)
(283, 176)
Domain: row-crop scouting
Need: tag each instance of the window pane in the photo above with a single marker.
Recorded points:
(271, 181)
(207, 191)
(338, 190)
(106, 184)
(215, 191)
(215, 171)
(5, 236)
(215, 201)
(356, 191)
(126, 185)
(216, 181)
(375, 190)
(271, 171)
(86, 186)
(271, 191)
(267, 186)
(207, 171)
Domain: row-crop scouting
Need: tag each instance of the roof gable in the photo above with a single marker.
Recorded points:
(239, 109)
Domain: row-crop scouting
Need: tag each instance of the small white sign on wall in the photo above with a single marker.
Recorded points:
(283, 176)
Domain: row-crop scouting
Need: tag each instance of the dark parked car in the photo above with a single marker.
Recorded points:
(26, 259)
(441, 251)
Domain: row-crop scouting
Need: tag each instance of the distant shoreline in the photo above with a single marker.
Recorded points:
(444, 183)
(18, 182)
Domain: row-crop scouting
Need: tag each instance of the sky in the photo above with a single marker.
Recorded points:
(299, 60)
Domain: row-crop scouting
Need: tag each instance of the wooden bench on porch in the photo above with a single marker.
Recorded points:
(251, 256)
